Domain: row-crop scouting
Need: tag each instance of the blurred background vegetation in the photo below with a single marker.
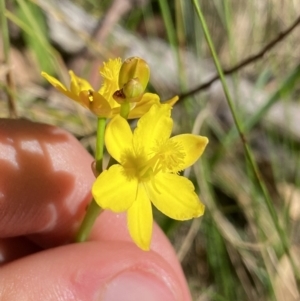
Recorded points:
(246, 247)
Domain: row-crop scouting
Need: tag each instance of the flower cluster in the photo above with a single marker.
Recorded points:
(119, 80)
(147, 160)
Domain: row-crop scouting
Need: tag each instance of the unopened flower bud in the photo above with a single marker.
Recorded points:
(134, 68)
(133, 90)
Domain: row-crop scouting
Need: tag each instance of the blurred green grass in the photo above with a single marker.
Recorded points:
(235, 253)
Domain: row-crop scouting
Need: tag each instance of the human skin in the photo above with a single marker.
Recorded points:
(45, 183)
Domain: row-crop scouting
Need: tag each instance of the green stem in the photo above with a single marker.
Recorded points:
(91, 214)
(125, 109)
(100, 144)
(93, 209)
(4, 31)
(268, 201)
(6, 48)
(173, 39)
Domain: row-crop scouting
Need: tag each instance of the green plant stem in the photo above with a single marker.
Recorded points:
(4, 30)
(268, 201)
(125, 109)
(91, 214)
(100, 144)
(232, 135)
(6, 48)
(165, 11)
(93, 209)
(172, 38)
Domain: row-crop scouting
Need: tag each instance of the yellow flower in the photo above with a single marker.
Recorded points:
(147, 171)
(102, 102)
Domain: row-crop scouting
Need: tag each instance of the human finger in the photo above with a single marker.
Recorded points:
(45, 182)
(107, 271)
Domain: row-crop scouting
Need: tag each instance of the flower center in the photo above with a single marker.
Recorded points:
(169, 156)
(135, 167)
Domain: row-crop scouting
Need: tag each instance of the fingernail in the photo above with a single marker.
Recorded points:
(137, 286)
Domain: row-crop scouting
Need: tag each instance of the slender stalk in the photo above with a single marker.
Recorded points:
(100, 144)
(165, 11)
(6, 48)
(247, 61)
(268, 201)
(92, 213)
(125, 109)
(172, 37)
(93, 209)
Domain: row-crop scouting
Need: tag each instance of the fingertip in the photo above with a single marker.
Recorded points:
(112, 227)
(105, 271)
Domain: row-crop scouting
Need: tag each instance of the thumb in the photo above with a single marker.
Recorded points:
(106, 271)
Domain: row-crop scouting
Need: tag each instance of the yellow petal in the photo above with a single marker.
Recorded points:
(54, 82)
(110, 73)
(144, 105)
(59, 86)
(172, 100)
(154, 127)
(174, 196)
(118, 138)
(113, 190)
(100, 106)
(192, 146)
(78, 84)
(140, 220)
